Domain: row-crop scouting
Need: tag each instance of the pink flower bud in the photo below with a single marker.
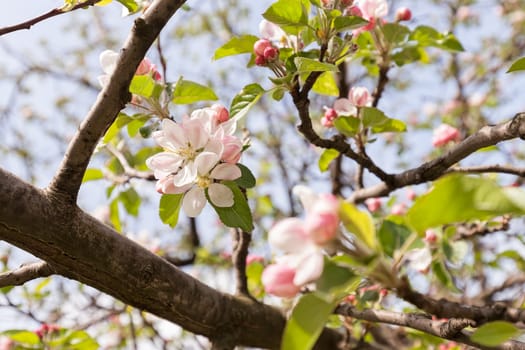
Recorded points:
(261, 45)
(278, 280)
(232, 149)
(260, 60)
(373, 204)
(322, 221)
(222, 113)
(330, 114)
(399, 209)
(444, 134)
(403, 14)
(251, 258)
(144, 67)
(430, 236)
(411, 195)
(354, 11)
(327, 123)
(359, 96)
(271, 53)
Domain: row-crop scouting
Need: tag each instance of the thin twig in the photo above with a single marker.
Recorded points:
(54, 12)
(25, 273)
(128, 169)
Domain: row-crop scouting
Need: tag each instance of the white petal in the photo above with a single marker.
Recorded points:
(220, 195)
(289, 235)
(165, 162)
(205, 161)
(419, 259)
(196, 133)
(215, 145)
(187, 175)
(226, 171)
(108, 61)
(309, 268)
(174, 134)
(229, 127)
(193, 202)
(343, 106)
(305, 195)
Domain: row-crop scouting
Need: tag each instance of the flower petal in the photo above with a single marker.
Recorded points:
(205, 161)
(310, 267)
(343, 106)
(187, 175)
(194, 201)
(165, 162)
(174, 135)
(220, 195)
(226, 171)
(196, 133)
(108, 61)
(289, 235)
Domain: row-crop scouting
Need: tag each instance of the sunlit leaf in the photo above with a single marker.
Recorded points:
(494, 333)
(359, 223)
(517, 65)
(169, 208)
(245, 100)
(287, 13)
(236, 46)
(326, 85)
(306, 65)
(186, 92)
(92, 174)
(326, 158)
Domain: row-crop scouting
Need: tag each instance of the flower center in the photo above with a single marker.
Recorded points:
(203, 181)
(188, 153)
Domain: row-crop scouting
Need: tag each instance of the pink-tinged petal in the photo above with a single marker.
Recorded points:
(373, 8)
(343, 106)
(289, 235)
(229, 126)
(187, 175)
(445, 134)
(166, 186)
(373, 204)
(214, 145)
(208, 118)
(164, 162)
(278, 280)
(220, 195)
(144, 67)
(226, 171)
(196, 133)
(305, 195)
(174, 135)
(310, 267)
(359, 96)
(108, 61)
(271, 31)
(419, 259)
(205, 161)
(232, 149)
(322, 227)
(193, 202)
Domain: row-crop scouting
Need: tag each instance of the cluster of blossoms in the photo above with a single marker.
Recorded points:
(108, 62)
(273, 38)
(45, 329)
(199, 153)
(374, 10)
(358, 97)
(302, 241)
(444, 134)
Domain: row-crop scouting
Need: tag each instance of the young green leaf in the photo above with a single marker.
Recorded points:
(239, 215)
(343, 23)
(348, 126)
(326, 158)
(236, 46)
(306, 65)
(131, 201)
(287, 13)
(326, 85)
(169, 208)
(186, 92)
(358, 223)
(517, 65)
(494, 333)
(245, 100)
(145, 86)
(306, 322)
(92, 174)
(247, 180)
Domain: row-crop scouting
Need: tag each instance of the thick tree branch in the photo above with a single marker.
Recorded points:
(84, 249)
(452, 329)
(54, 12)
(25, 273)
(111, 99)
(429, 171)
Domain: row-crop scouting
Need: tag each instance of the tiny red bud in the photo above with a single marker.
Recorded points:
(271, 53)
(260, 60)
(403, 14)
(261, 45)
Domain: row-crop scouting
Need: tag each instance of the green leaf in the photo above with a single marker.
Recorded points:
(186, 92)
(348, 126)
(131, 201)
(245, 100)
(392, 236)
(169, 208)
(130, 5)
(359, 223)
(121, 121)
(137, 123)
(236, 46)
(336, 280)
(494, 333)
(326, 85)
(395, 33)
(23, 337)
(517, 65)
(239, 215)
(114, 216)
(307, 65)
(306, 322)
(145, 86)
(287, 13)
(247, 180)
(379, 122)
(450, 43)
(326, 158)
(343, 23)
(92, 174)
(459, 198)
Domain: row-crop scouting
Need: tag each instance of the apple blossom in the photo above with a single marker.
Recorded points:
(271, 31)
(430, 236)
(329, 116)
(343, 107)
(444, 134)
(373, 8)
(373, 204)
(359, 96)
(322, 220)
(6, 343)
(108, 62)
(403, 14)
(222, 114)
(251, 258)
(278, 280)
(399, 209)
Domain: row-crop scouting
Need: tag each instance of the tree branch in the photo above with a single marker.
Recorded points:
(429, 171)
(496, 168)
(128, 169)
(55, 12)
(81, 248)
(111, 99)
(25, 273)
(452, 329)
